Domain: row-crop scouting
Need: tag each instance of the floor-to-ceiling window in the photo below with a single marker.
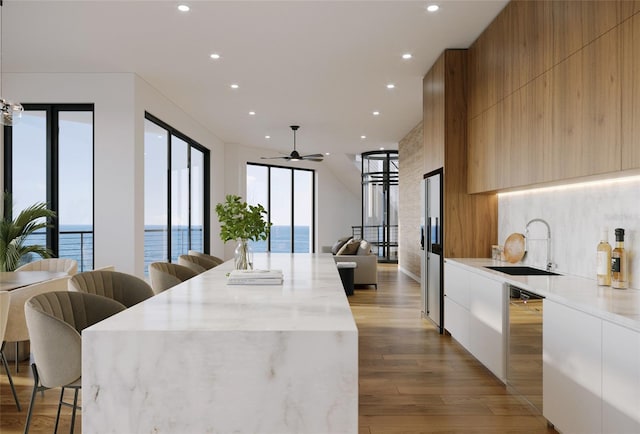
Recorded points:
(49, 158)
(288, 196)
(176, 179)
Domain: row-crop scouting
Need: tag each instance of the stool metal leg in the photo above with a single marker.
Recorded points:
(36, 380)
(73, 413)
(6, 368)
(55, 429)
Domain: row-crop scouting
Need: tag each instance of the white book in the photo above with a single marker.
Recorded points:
(255, 277)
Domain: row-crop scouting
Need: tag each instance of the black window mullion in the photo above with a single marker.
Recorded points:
(189, 198)
(169, 202)
(269, 205)
(52, 177)
(292, 231)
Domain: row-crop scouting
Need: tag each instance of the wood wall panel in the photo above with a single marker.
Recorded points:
(630, 85)
(560, 114)
(601, 122)
(567, 37)
(598, 17)
(483, 157)
(469, 220)
(531, 32)
(567, 118)
(433, 116)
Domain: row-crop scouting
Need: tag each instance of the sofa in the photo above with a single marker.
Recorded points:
(348, 249)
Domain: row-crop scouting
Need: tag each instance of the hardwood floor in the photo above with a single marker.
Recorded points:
(412, 380)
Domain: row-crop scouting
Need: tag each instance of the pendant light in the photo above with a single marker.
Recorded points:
(8, 110)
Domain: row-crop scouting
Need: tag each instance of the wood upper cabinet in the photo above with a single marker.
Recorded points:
(601, 115)
(630, 85)
(469, 221)
(571, 98)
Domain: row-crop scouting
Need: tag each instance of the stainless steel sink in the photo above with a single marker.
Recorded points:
(516, 270)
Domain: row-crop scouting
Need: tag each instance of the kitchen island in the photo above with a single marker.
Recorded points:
(205, 356)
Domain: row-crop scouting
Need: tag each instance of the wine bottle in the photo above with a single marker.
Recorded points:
(603, 268)
(619, 262)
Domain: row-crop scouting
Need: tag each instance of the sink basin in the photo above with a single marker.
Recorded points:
(522, 271)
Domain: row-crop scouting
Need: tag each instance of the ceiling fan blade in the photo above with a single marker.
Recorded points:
(313, 156)
(284, 157)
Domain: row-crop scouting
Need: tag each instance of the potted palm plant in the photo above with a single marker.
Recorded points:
(14, 232)
(242, 222)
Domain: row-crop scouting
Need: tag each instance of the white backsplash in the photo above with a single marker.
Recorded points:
(576, 215)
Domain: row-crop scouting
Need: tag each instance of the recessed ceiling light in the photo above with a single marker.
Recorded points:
(382, 149)
(407, 56)
(363, 137)
(327, 153)
(234, 86)
(391, 86)
(215, 56)
(252, 113)
(267, 137)
(433, 8)
(184, 8)
(376, 113)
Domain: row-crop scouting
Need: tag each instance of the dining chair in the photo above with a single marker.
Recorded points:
(215, 259)
(69, 266)
(121, 287)
(55, 321)
(4, 313)
(198, 264)
(165, 275)
(16, 330)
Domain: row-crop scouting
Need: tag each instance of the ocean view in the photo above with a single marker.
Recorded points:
(76, 242)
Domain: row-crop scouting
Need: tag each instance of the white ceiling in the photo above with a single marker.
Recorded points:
(323, 65)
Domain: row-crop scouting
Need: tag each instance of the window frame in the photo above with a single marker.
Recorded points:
(206, 157)
(313, 202)
(52, 165)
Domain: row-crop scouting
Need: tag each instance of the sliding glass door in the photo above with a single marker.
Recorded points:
(288, 196)
(49, 158)
(176, 193)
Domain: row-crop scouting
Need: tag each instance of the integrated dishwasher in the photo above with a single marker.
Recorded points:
(524, 356)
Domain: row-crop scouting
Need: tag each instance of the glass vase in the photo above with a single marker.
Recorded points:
(243, 255)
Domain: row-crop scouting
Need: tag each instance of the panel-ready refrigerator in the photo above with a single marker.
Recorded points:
(431, 244)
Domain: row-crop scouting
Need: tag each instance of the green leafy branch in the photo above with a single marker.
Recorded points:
(242, 221)
(14, 232)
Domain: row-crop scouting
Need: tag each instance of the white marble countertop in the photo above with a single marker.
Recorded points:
(620, 306)
(205, 356)
(307, 300)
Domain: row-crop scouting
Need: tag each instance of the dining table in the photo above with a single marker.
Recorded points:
(10, 280)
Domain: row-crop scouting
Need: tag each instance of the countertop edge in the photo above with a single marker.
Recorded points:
(575, 292)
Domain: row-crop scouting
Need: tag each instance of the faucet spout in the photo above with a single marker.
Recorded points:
(549, 264)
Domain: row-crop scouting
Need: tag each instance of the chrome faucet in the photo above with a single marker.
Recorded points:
(548, 239)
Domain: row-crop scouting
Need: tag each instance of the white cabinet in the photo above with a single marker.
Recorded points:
(572, 369)
(474, 315)
(620, 379)
(487, 337)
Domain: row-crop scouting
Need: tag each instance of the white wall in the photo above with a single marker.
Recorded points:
(120, 102)
(576, 215)
(337, 207)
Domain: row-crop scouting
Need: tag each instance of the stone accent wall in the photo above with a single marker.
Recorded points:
(411, 162)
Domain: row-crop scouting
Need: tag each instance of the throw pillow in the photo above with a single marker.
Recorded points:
(350, 248)
(338, 244)
(364, 248)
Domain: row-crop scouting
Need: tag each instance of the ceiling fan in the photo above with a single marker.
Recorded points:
(295, 155)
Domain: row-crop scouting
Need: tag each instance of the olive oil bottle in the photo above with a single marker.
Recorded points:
(619, 271)
(603, 267)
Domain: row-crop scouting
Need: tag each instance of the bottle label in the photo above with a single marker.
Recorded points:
(603, 266)
(615, 265)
